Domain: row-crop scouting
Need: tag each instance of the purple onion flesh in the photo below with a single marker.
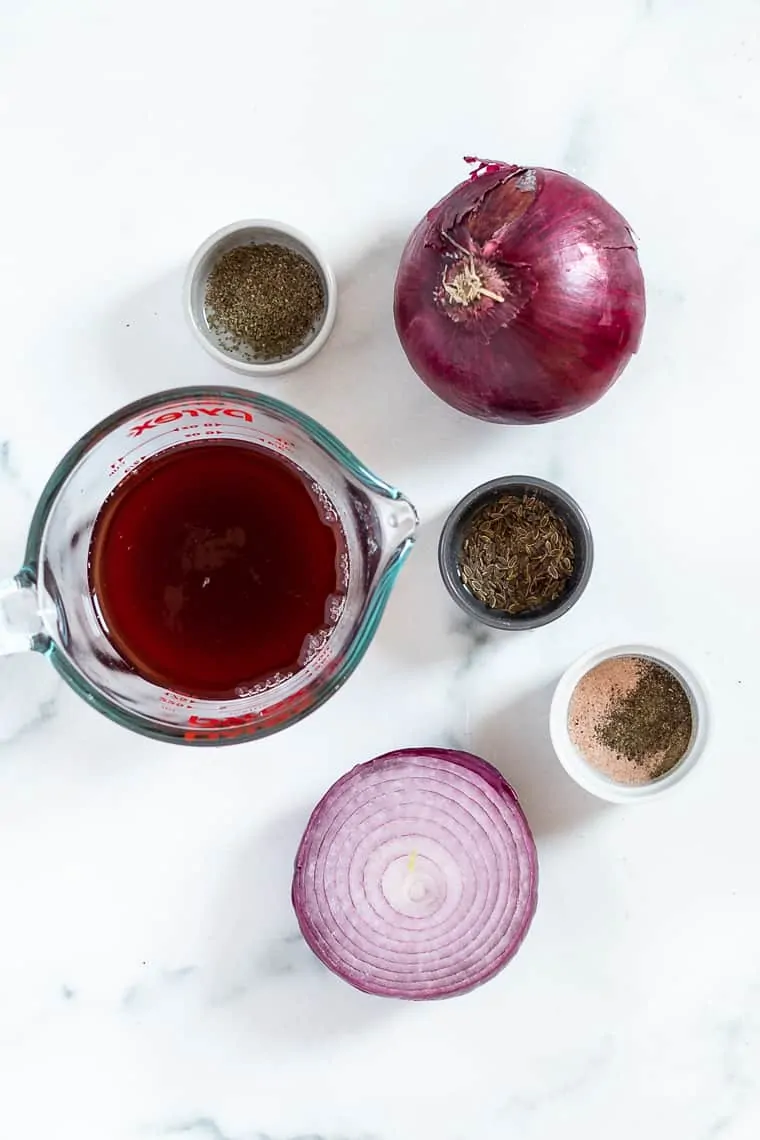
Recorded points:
(417, 875)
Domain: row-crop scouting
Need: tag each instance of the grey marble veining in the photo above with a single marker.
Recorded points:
(206, 1127)
(5, 458)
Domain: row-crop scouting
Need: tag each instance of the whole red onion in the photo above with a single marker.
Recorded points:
(520, 298)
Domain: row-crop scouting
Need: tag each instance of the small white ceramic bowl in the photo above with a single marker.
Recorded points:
(256, 231)
(591, 778)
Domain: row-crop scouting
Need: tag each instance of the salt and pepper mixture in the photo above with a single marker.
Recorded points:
(631, 718)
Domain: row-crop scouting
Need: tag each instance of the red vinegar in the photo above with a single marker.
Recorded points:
(211, 565)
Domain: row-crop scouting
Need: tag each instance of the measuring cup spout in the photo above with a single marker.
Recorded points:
(20, 623)
(398, 520)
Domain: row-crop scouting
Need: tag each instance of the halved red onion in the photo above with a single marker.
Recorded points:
(417, 874)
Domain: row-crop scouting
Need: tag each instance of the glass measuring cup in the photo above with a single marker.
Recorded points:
(48, 607)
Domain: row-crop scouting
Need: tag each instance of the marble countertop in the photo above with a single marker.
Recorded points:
(152, 980)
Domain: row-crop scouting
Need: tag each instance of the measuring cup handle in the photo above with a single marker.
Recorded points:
(20, 624)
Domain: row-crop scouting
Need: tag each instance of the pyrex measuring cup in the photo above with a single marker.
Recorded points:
(48, 606)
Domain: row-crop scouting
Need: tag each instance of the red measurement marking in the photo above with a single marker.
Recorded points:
(227, 728)
(177, 701)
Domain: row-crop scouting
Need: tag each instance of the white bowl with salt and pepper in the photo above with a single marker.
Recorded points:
(239, 235)
(571, 756)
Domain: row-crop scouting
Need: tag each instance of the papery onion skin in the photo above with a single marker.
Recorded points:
(417, 875)
(572, 309)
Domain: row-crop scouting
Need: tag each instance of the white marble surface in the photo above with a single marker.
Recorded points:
(152, 983)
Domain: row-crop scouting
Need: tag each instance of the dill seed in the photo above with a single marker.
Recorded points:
(263, 301)
(517, 554)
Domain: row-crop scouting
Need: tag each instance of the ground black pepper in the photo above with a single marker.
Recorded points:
(651, 725)
(263, 300)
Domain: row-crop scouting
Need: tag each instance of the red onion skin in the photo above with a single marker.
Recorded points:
(300, 893)
(564, 262)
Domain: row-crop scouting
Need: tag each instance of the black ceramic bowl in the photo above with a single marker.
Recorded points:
(452, 535)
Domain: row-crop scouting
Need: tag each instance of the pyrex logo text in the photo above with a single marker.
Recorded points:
(170, 417)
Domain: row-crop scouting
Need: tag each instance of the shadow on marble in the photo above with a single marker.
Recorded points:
(260, 971)
(29, 692)
(148, 345)
(516, 740)
(421, 624)
(363, 388)
(29, 686)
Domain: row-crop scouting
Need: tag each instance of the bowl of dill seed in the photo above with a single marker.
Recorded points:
(516, 553)
(260, 297)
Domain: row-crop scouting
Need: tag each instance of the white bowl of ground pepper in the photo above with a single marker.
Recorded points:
(260, 297)
(629, 722)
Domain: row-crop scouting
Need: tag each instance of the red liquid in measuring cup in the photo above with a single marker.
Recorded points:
(211, 565)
